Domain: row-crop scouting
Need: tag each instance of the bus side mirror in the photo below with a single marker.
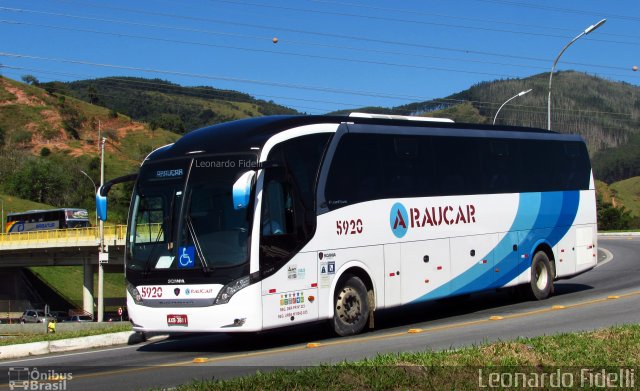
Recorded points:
(241, 190)
(101, 205)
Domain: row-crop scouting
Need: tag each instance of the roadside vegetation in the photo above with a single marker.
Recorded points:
(618, 205)
(20, 339)
(47, 138)
(610, 349)
(67, 280)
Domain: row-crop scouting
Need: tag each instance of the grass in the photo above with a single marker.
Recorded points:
(627, 193)
(16, 117)
(15, 204)
(68, 282)
(609, 348)
(64, 335)
(136, 146)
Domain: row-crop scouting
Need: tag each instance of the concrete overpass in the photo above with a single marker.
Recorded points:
(65, 247)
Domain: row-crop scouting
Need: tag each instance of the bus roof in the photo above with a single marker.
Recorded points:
(250, 134)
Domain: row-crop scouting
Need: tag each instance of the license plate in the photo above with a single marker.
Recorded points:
(177, 320)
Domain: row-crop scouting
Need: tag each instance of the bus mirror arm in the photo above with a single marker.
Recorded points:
(101, 194)
(104, 189)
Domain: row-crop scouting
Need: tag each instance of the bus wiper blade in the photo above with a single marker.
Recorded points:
(147, 268)
(170, 238)
(205, 266)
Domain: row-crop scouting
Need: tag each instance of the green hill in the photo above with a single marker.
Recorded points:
(168, 105)
(46, 139)
(627, 193)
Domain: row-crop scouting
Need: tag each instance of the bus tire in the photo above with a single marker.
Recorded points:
(541, 285)
(351, 306)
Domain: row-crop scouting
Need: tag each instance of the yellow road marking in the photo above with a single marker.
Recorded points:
(496, 318)
(414, 331)
(199, 360)
(613, 297)
(558, 307)
(351, 340)
(312, 345)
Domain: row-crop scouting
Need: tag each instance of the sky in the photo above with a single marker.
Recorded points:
(330, 55)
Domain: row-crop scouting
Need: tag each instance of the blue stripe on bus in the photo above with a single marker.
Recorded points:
(553, 213)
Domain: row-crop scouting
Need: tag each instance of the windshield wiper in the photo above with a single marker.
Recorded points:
(205, 266)
(170, 238)
(147, 269)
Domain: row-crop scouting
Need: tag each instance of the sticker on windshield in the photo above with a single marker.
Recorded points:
(164, 262)
(187, 257)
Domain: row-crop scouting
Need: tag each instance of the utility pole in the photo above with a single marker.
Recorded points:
(103, 256)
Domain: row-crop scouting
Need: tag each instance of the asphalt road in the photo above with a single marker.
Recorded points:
(608, 295)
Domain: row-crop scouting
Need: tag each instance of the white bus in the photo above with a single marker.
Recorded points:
(274, 221)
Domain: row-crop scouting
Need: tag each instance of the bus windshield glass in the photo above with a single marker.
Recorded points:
(173, 226)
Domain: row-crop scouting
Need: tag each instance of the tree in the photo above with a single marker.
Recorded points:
(612, 218)
(30, 79)
(92, 93)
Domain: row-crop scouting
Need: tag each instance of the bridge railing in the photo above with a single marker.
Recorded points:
(72, 235)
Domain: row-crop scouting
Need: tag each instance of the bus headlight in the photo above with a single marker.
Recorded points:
(231, 288)
(133, 291)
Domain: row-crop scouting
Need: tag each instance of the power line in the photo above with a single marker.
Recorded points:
(245, 36)
(398, 20)
(131, 80)
(444, 101)
(440, 15)
(324, 34)
(215, 77)
(560, 10)
(279, 52)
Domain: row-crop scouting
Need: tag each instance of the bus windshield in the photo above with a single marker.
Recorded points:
(173, 226)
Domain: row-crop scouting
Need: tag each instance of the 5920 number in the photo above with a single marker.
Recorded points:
(349, 227)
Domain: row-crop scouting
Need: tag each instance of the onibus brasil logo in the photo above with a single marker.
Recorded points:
(400, 220)
(24, 378)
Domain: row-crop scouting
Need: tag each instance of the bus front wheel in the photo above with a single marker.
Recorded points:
(541, 285)
(351, 306)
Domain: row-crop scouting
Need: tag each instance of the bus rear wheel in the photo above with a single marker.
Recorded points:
(351, 306)
(541, 285)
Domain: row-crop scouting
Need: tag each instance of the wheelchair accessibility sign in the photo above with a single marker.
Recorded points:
(187, 257)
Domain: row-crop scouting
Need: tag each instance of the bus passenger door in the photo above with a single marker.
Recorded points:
(425, 269)
(392, 292)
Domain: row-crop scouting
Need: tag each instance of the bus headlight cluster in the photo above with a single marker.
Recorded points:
(231, 288)
(133, 291)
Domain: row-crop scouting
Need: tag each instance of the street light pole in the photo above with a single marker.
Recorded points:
(508, 100)
(100, 257)
(95, 189)
(553, 68)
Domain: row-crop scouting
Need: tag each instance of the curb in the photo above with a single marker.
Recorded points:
(67, 345)
(618, 233)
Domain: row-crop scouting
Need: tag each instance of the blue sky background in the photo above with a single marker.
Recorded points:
(330, 55)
